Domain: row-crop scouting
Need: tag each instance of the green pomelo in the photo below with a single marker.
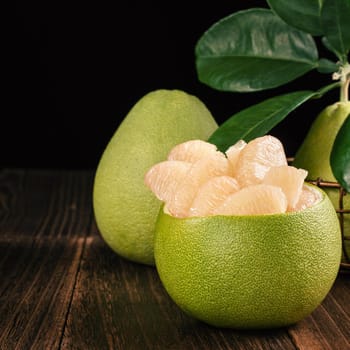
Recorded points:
(250, 272)
(314, 153)
(125, 209)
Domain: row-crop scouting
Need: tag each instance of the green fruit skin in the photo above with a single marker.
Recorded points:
(125, 209)
(249, 272)
(314, 153)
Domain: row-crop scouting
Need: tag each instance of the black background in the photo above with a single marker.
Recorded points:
(76, 69)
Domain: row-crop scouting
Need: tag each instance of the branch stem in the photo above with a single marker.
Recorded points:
(344, 90)
(343, 75)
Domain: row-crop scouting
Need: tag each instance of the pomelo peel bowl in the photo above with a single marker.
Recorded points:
(252, 269)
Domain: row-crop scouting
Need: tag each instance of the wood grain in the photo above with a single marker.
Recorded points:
(124, 306)
(62, 287)
(44, 223)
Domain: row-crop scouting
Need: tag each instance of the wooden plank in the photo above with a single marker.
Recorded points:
(61, 287)
(337, 305)
(328, 327)
(44, 221)
(118, 304)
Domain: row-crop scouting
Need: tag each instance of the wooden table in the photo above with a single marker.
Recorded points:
(63, 288)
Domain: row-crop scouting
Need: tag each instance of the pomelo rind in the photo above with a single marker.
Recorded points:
(242, 272)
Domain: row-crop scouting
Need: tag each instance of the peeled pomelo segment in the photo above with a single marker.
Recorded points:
(211, 194)
(192, 151)
(197, 180)
(257, 157)
(200, 172)
(290, 179)
(232, 154)
(308, 198)
(254, 200)
(163, 178)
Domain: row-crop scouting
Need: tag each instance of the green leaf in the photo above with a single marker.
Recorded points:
(340, 156)
(301, 14)
(325, 89)
(328, 45)
(335, 18)
(327, 66)
(253, 50)
(258, 119)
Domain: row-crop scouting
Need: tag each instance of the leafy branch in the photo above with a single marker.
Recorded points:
(259, 49)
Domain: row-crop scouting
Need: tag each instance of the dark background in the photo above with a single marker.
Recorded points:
(75, 70)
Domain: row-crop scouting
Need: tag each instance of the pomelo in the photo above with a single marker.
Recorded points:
(253, 271)
(261, 252)
(125, 209)
(314, 154)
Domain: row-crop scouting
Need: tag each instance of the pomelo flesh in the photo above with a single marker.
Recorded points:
(249, 179)
(257, 157)
(125, 209)
(254, 200)
(164, 177)
(290, 179)
(191, 151)
(232, 154)
(211, 194)
(200, 172)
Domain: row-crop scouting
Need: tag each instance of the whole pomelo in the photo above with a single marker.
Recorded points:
(125, 209)
(245, 272)
(314, 153)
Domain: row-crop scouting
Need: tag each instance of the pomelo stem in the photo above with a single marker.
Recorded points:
(344, 90)
(344, 76)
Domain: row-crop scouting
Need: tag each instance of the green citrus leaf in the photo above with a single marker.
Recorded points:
(340, 156)
(335, 18)
(253, 50)
(301, 14)
(327, 66)
(329, 46)
(257, 120)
